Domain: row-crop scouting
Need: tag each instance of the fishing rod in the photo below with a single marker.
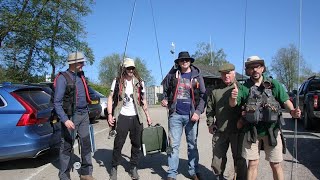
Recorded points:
(244, 39)
(295, 139)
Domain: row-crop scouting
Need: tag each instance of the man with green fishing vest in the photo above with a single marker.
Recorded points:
(260, 98)
(130, 113)
(222, 122)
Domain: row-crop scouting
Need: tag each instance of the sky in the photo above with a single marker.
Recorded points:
(270, 25)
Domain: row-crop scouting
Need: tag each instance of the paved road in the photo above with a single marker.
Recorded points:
(155, 166)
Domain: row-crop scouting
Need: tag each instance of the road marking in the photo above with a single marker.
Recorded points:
(40, 169)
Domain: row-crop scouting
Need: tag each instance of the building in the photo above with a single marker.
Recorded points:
(154, 94)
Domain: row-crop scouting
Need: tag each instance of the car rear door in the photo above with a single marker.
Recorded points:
(41, 108)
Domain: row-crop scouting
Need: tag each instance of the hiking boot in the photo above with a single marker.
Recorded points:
(134, 173)
(86, 177)
(113, 174)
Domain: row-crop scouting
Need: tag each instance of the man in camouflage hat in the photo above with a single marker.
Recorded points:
(222, 123)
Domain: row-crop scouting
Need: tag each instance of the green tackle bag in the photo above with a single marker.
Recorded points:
(154, 140)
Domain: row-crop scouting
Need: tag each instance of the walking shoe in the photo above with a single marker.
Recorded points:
(134, 173)
(113, 174)
(86, 177)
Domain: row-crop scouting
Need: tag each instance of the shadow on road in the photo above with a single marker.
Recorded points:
(154, 162)
(46, 158)
(308, 146)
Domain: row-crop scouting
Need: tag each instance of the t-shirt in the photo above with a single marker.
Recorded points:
(183, 94)
(128, 108)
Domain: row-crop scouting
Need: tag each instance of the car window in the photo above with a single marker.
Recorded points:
(37, 98)
(314, 85)
(2, 102)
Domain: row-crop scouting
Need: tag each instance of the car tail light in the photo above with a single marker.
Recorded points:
(315, 101)
(29, 117)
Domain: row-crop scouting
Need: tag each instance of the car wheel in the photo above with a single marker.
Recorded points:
(306, 120)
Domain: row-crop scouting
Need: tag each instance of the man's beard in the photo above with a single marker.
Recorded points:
(256, 76)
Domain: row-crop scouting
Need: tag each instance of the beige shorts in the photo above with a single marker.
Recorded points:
(251, 151)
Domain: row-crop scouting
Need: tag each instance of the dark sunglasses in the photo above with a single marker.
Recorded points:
(184, 60)
(254, 67)
(130, 68)
(81, 62)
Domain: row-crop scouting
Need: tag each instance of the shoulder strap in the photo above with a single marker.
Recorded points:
(67, 76)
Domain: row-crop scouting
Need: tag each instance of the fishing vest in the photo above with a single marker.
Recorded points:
(69, 95)
(119, 94)
(262, 105)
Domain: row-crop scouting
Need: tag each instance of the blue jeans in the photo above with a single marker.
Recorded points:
(176, 124)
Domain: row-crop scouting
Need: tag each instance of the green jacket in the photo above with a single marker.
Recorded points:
(137, 99)
(219, 111)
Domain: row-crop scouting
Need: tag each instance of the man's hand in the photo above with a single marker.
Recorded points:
(195, 117)
(212, 129)
(164, 103)
(240, 123)
(111, 120)
(296, 113)
(234, 92)
(69, 124)
(234, 95)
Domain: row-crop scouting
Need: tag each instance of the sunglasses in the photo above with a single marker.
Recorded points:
(254, 67)
(184, 60)
(130, 68)
(81, 62)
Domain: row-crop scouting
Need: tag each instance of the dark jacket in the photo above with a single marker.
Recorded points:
(198, 90)
(65, 92)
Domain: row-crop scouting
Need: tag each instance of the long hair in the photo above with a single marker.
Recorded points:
(123, 74)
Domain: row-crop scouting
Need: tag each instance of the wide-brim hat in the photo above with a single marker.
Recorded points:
(76, 57)
(227, 67)
(128, 62)
(254, 60)
(184, 55)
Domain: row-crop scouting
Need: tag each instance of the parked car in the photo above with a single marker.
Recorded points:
(308, 95)
(103, 103)
(94, 107)
(25, 128)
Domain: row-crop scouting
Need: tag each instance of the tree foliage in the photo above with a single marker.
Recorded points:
(110, 66)
(35, 35)
(285, 67)
(204, 55)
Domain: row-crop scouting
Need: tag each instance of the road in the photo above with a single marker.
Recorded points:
(154, 167)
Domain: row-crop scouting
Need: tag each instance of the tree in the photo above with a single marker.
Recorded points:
(109, 68)
(285, 66)
(36, 34)
(204, 55)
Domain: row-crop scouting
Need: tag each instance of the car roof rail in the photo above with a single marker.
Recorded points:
(314, 77)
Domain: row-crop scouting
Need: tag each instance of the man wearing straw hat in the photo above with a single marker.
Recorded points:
(71, 105)
(130, 112)
(260, 98)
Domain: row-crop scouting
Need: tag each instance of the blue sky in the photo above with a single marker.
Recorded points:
(271, 25)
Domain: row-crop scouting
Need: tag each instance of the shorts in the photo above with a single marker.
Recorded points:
(251, 151)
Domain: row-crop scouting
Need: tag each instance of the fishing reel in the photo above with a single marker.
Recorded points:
(77, 165)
